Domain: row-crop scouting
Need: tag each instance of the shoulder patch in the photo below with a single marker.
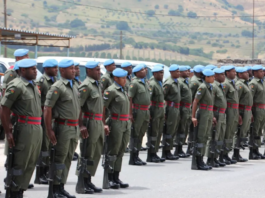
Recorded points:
(41, 80)
(55, 92)
(84, 90)
(106, 93)
(103, 79)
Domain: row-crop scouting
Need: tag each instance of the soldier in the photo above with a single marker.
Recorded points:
(245, 106)
(92, 107)
(250, 73)
(172, 98)
(11, 74)
(77, 74)
(191, 73)
(116, 99)
(22, 97)
(219, 109)
(107, 78)
(211, 67)
(232, 115)
(45, 82)
(157, 114)
(62, 103)
(257, 88)
(203, 97)
(139, 96)
(127, 66)
(185, 111)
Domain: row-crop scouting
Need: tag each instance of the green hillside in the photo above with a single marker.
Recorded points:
(182, 30)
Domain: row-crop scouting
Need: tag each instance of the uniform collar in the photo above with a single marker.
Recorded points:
(129, 77)
(66, 81)
(117, 86)
(92, 80)
(199, 79)
(217, 83)
(258, 80)
(208, 85)
(242, 80)
(48, 77)
(175, 80)
(141, 80)
(26, 82)
(77, 78)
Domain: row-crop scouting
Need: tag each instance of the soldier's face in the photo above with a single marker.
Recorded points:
(51, 71)
(259, 74)
(29, 73)
(184, 74)
(250, 73)
(128, 69)
(141, 73)
(120, 80)
(77, 71)
(159, 75)
(175, 74)
(209, 79)
(68, 73)
(220, 77)
(231, 73)
(244, 75)
(111, 67)
(94, 73)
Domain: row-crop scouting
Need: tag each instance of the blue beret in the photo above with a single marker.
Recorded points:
(257, 67)
(208, 72)
(126, 64)
(26, 63)
(138, 67)
(76, 63)
(241, 69)
(159, 65)
(248, 68)
(198, 68)
(50, 63)
(188, 67)
(16, 66)
(263, 68)
(229, 67)
(183, 68)
(108, 62)
(119, 72)
(21, 52)
(212, 67)
(173, 67)
(92, 64)
(191, 70)
(157, 68)
(66, 63)
(219, 70)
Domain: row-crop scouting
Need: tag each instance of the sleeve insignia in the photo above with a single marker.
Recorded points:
(106, 93)
(11, 75)
(41, 80)
(12, 91)
(55, 92)
(84, 90)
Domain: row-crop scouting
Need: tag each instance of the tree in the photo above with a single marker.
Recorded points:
(150, 13)
(166, 6)
(77, 23)
(192, 14)
(246, 33)
(240, 7)
(157, 7)
(122, 25)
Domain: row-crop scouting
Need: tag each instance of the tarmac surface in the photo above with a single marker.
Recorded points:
(169, 179)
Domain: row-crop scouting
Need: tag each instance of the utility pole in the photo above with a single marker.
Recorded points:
(253, 33)
(121, 45)
(5, 20)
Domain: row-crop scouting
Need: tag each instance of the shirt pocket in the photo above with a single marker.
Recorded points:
(66, 98)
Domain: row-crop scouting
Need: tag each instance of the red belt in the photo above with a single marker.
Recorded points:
(261, 106)
(122, 117)
(141, 107)
(245, 107)
(185, 104)
(94, 116)
(157, 104)
(29, 119)
(233, 106)
(173, 104)
(67, 122)
(221, 110)
(13, 114)
(206, 107)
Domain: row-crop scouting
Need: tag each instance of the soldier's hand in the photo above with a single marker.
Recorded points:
(194, 121)
(106, 129)
(240, 121)
(52, 137)
(131, 118)
(10, 139)
(252, 118)
(84, 132)
(214, 121)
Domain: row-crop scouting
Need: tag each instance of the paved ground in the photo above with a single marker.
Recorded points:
(171, 179)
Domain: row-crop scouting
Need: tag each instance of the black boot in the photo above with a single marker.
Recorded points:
(237, 156)
(65, 193)
(138, 158)
(227, 158)
(168, 155)
(57, 192)
(189, 149)
(20, 193)
(112, 183)
(14, 194)
(30, 186)
(259, 154)
(221, 164)
(151, 157)
(181, 152)
(41, 178)
(134, 160)
(160, 159)
(253, 155)
(118, 181)
(200, 165)
(212, 163)
(92, 186)
(223, 160)
(75, 157)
